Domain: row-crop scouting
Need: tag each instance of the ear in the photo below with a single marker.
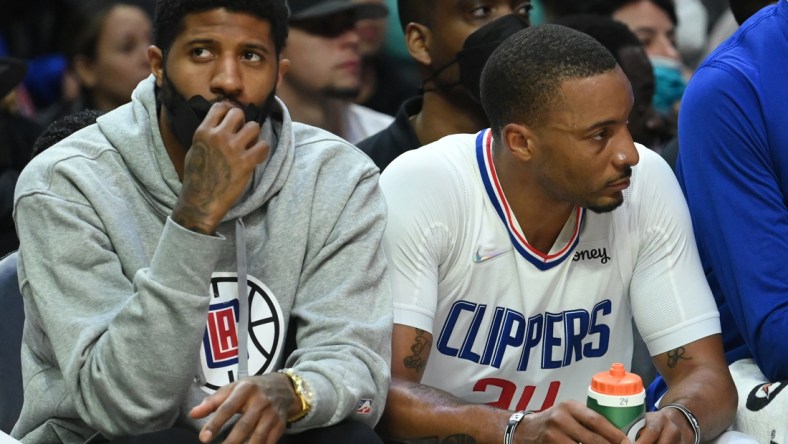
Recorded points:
(156, 62)
(284, 66)
(520, 141)
(417, 37)
(84, 70)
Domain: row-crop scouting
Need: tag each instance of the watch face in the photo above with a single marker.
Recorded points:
(516, 417)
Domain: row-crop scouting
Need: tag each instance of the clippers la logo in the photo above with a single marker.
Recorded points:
(220, 352)
(221, 336)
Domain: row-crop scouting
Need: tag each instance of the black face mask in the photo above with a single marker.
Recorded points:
(186, 115)
(477, 48)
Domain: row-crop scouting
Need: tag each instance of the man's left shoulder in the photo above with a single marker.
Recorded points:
(654, 191)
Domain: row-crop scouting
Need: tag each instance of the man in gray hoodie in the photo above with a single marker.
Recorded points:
(139, 233)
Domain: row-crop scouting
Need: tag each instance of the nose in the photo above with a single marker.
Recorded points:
(351, 37)
(625, 154)
(226, 79)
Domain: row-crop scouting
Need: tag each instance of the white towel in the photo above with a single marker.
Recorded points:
(763, 405)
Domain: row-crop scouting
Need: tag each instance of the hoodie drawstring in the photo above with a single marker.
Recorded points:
(243, 307)
(243, 299)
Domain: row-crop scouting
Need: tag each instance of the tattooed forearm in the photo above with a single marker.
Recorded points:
(674, 356)
(207, 172)
(206, 177)
(421, 344)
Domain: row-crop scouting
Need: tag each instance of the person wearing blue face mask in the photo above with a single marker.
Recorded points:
(450, 44)
(654, 23)
(670, 84)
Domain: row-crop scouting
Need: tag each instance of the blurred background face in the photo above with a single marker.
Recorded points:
(652, 26)
(120, 61)
(325, 56)
(372, 32)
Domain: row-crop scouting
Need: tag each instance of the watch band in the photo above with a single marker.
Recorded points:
(514, 421)
(690, 418)
(301, 390)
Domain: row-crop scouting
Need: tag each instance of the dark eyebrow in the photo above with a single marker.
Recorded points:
(246, 46)
(647, 30)
(603, 124)
(259, 47)
(206, 42)
(590, 128)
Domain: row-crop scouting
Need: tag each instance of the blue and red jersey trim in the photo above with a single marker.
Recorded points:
(499, 202)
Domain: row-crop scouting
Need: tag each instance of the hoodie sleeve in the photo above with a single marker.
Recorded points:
(343, 308)
(124, 337)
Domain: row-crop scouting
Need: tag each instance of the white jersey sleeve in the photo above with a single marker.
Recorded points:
(426, 213)
(671, 301)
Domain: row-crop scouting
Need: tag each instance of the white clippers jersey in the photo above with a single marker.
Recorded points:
(518, 329)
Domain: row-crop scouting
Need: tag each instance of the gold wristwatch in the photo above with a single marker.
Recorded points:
(303, 392)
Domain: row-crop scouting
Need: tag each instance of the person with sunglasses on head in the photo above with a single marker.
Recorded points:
(196, 266)
(450, 41)
(325, 67)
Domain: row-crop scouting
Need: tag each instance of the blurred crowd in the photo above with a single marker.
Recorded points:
(90, 54)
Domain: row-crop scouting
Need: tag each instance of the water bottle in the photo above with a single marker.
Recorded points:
(620, 397)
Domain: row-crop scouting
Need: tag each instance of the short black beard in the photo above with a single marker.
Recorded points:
(185, 116)
(606, 208)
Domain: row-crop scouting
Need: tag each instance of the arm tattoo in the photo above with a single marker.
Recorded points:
(416, 361)
(205, 177)
(207, 172)
(675, 355)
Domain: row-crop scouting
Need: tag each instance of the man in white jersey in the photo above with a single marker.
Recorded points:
(521, 254)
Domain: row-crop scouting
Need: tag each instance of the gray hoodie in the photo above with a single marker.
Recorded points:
(132, 319)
